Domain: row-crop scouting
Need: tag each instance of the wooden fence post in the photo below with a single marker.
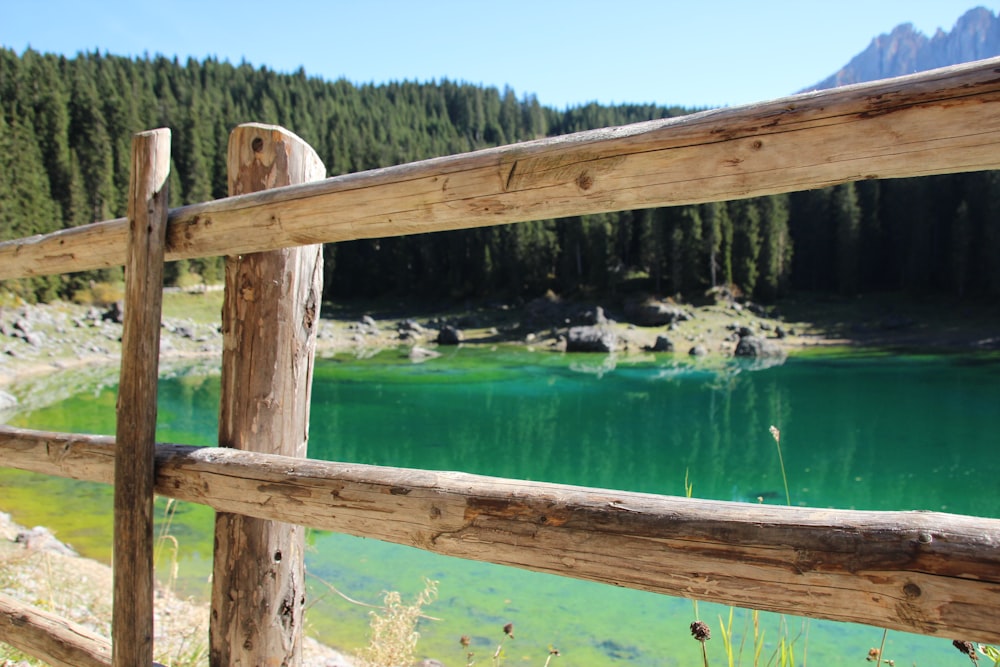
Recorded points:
(132, 617)
(269, 317)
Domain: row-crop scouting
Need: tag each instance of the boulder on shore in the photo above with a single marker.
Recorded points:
(591, 339)
(662, 344)
(115, 313)
(449, 335)
(756, 347)
(41, 538)
(655, 313)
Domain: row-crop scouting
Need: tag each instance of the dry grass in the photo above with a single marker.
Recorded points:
(80, 590)
(394, 636)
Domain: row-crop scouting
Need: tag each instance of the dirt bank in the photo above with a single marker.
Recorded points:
(37, 569)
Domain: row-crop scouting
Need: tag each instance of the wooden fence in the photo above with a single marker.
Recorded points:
(924, 572)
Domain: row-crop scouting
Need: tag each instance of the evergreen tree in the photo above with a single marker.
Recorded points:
(959, 246)
(92, 144)
(711, 217)
(747, 242)
(811, 230)
(652, 244)
(692, 251)
(26, 208)
(50, 118)
(776, 247)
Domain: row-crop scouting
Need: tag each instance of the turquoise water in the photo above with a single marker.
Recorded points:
(865, 432)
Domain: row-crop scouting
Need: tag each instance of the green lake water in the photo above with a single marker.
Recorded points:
(866, 432)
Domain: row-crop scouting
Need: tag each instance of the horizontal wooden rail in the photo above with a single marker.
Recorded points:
(924, 572)
(942, 121)
(50, 638)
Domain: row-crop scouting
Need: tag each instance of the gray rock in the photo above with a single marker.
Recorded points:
(756, 347)
(594, 315)
(591, 339)
(410, 326)
(34, 339)
(40, 538)
(655, 313)
(449, 335)
(698, 351)
(7, 401)
(662, 344)
(114, 313)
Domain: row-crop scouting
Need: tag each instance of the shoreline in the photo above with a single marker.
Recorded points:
(44, 340)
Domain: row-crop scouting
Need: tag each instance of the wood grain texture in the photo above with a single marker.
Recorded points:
(269, 316)
(132, 623)
(49, 638)
(935, 122)
(925, 572)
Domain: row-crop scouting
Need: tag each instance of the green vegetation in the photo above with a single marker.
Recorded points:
(66, 126)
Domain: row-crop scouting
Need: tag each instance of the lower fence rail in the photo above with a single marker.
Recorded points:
(925, 572)
(47, 637)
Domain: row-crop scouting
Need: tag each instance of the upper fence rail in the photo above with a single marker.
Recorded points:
(942, 121)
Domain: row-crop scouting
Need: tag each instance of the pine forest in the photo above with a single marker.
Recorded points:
(66, 127)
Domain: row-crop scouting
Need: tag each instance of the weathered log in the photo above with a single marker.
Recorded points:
(132, 622)
(924, 572)
(269, 317)
(49, 638)
(942, 121)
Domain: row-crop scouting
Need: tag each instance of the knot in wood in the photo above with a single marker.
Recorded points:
(585, 181)
(911, 590)
(257, 144)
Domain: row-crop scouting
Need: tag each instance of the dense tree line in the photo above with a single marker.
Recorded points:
(66, 127)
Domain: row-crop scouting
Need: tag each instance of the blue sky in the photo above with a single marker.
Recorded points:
(693, 53)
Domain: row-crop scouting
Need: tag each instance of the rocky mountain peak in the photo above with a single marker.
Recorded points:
(976, 35)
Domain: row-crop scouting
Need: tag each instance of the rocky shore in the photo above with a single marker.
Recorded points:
(39, 341)
(46, 338)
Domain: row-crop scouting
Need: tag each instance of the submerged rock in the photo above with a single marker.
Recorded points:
(419, 354)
